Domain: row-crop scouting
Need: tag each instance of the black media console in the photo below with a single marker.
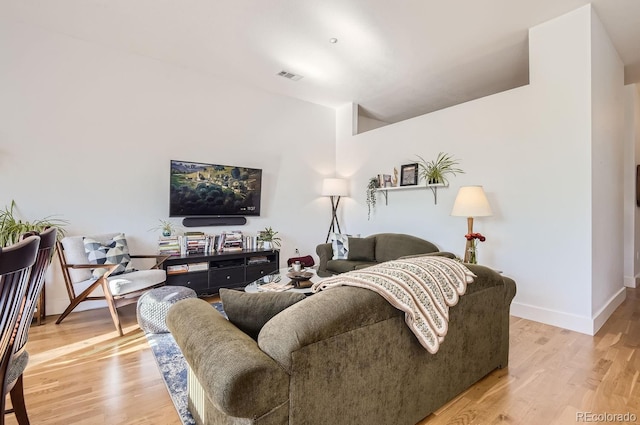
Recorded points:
(207, 273)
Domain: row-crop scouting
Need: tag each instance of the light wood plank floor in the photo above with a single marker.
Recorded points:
(81, 372)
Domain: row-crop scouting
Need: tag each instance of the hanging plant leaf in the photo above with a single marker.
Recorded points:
(371, 198)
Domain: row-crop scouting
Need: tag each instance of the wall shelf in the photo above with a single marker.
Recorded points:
(433, 187)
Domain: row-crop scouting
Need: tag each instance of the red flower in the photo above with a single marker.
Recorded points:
(472, 236)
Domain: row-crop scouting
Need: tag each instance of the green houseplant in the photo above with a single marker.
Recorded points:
(167, 228)
(372, 187)
(435, 171)
(11, 228)
(268, 236)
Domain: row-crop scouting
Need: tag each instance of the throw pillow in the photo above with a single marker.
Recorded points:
(250, 311)
(340, 245)
(362, 249)
(114, 251)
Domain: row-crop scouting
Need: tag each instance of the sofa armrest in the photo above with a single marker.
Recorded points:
(325, 252)
(237, 377)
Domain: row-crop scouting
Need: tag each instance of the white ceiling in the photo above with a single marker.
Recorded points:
(396, 59)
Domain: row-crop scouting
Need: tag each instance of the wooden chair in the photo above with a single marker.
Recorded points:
(20, 357)
(16, 262)
(116, 289)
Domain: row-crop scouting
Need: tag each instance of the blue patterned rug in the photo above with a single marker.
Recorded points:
(174, 369)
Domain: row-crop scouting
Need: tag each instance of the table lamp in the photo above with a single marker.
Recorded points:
(334, 188)
(470, 202)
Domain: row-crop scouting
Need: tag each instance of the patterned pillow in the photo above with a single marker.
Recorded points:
(340, 245)
(114, 251)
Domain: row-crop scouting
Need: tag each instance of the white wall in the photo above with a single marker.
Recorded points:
(607, 178)
(629, 210)
(631, 159)
(87, 132)
(531, 150)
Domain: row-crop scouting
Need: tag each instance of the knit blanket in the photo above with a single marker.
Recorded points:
(422, 287)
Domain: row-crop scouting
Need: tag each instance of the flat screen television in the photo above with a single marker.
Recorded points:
(199, 189)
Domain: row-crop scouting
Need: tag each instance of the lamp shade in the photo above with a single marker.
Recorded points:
(471, 202)
(335, 187)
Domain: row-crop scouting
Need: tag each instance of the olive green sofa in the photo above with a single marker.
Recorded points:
(374, 249)
(343, 356)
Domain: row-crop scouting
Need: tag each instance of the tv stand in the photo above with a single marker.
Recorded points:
(207, 273)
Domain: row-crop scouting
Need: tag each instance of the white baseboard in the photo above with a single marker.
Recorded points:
(573, 322)
(547, 316)
(631, 282)
(610, 306)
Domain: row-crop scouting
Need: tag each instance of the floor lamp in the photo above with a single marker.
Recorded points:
(334, 188)
(470, 202)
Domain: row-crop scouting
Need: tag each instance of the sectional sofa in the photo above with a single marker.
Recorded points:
(340, 356)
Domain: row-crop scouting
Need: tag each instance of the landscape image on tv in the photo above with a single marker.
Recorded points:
(208, 189)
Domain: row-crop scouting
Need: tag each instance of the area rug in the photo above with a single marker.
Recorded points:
(173, 369)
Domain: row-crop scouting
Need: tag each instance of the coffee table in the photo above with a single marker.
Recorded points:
(280, 276)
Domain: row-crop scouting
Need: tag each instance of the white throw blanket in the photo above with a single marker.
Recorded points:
(423, 287)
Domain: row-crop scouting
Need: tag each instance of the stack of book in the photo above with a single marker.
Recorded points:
(250, 242)
(198, 267)
(200, 243)
(178, 269)
(230, 241)
(186, 268)
(196, 242)
(257, 260)
(169, 245)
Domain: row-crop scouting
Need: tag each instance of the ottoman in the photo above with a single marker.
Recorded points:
(153, 306)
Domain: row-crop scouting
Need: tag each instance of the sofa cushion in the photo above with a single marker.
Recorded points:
(250, 311)
(362, 249)
(114, 251)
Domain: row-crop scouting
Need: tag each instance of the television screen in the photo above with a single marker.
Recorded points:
(199, 189)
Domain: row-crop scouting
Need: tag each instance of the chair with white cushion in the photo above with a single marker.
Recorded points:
(99, 268)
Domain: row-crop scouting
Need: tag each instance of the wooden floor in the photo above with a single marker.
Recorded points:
(81, 372)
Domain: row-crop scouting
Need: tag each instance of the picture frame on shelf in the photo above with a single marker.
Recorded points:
(387, 180)
(409, 175)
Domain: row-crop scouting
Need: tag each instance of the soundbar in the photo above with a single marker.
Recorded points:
(213, 221)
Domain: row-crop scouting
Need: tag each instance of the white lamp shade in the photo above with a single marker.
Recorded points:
(471, 202)
(335, 187)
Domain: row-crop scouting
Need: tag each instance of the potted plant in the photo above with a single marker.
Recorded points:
(167, 228)
(11, 228)
(371, 199)
(269, 238)
(435, 172)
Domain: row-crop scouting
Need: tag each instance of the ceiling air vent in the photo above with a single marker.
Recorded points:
(290, 75)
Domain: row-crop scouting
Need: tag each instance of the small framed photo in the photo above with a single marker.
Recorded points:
(409, 175)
